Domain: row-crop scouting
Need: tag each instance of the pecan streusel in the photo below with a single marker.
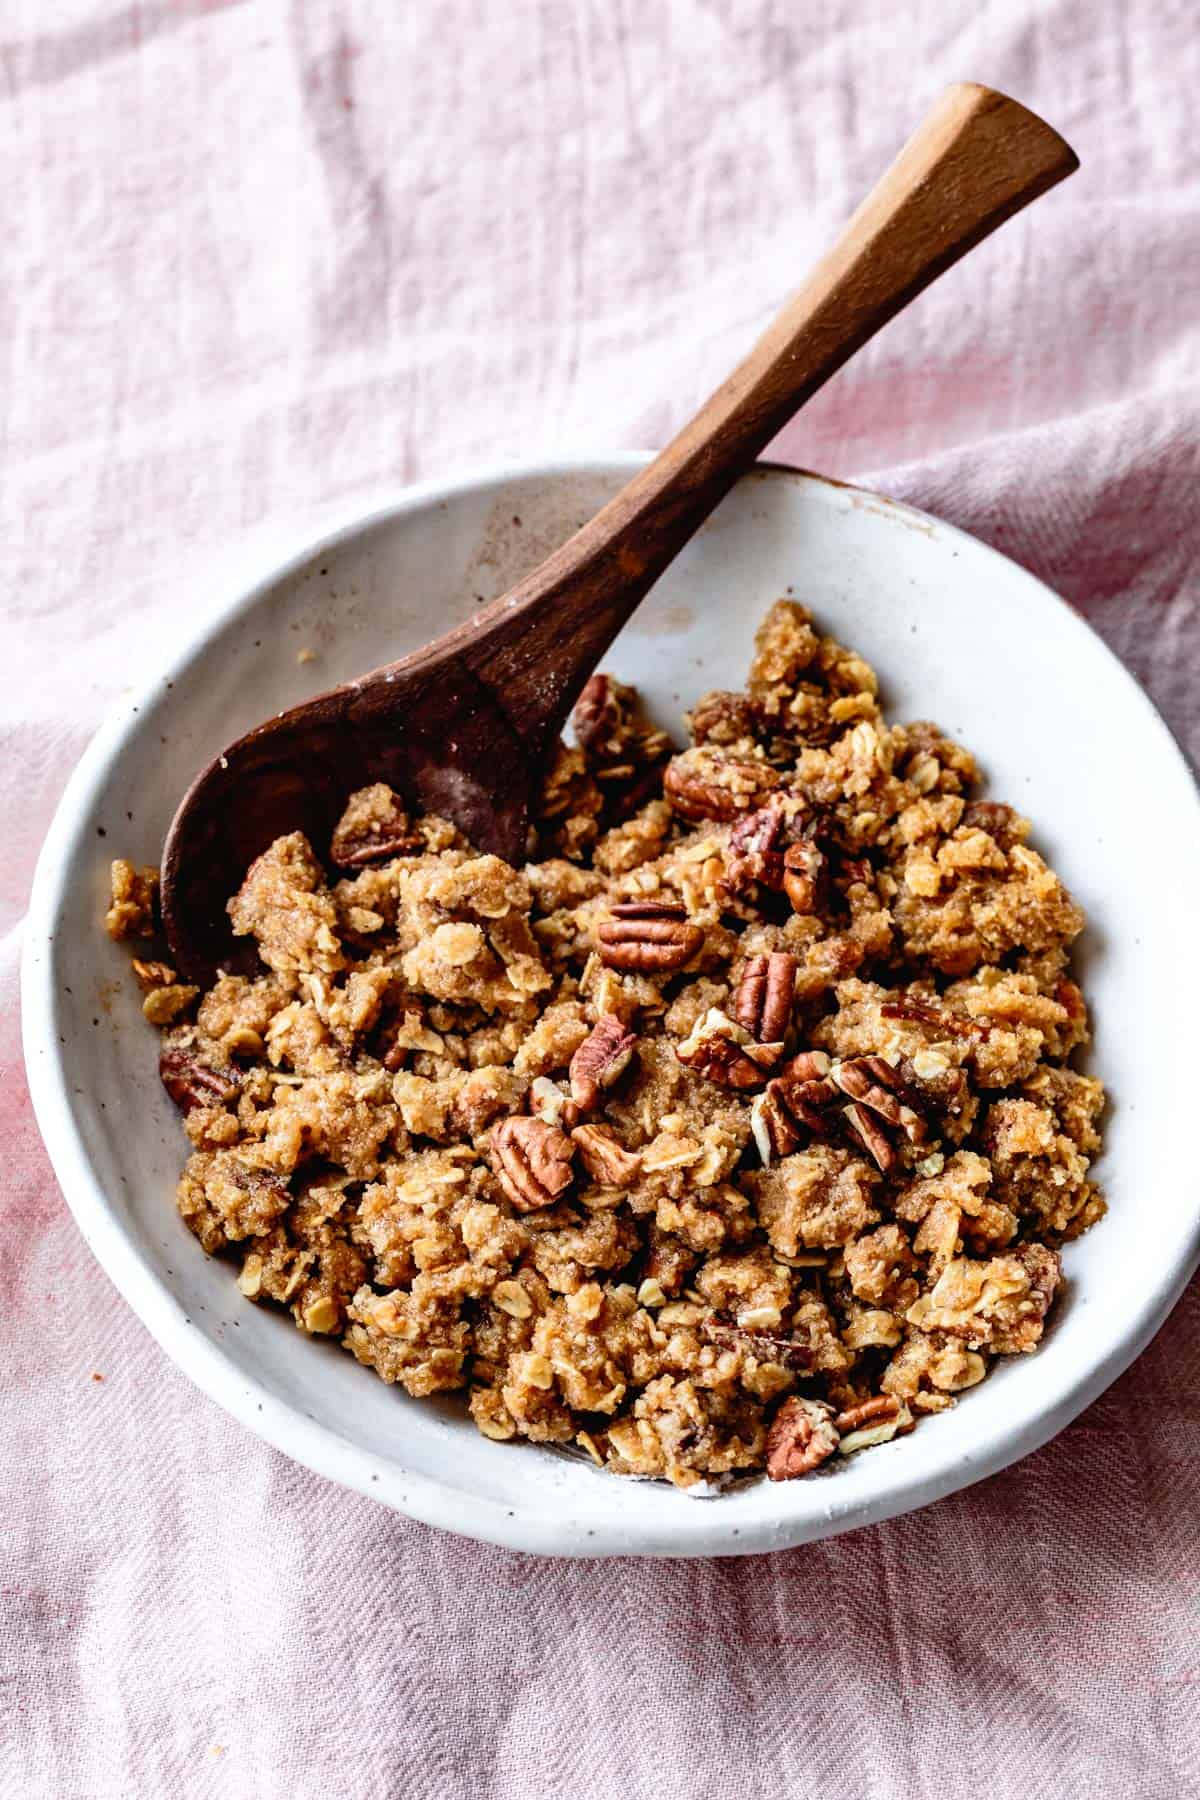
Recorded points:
(732, 1134)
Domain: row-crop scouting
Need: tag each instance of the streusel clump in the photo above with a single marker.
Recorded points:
(734, 1132)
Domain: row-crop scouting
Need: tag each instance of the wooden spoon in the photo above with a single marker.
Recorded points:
(463, 727)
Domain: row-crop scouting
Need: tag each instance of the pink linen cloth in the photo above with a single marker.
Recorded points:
(262, 256)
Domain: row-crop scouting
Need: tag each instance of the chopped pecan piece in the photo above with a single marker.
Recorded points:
(723, 1051)
(648, 937)
(373, 830)
(670, 1261)
(381, 849)
(779, 849)
(151, 975)
(873, 1082)
(1070, 997)
(552, 1104)
(915, 1009)
(605, 1158)
(1044, 1270)
(599, 713)
(802, 1436)
(710, 784)
(532, 1162)
(624, 752)
(798, 1103)
(868, 1132)
(719, 1059)
(805, 876)
(723, 718)
(190, 1081)
(648, 909)
(629, 796)
(945, 1091)
(855, 871)
(401, 1032)
(260, 1181)
(755, 850)
(600, 1060)
(763, 1002)
(807, 1065)
(790, 1352)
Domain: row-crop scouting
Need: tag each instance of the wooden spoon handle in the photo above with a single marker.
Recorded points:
(977, 158)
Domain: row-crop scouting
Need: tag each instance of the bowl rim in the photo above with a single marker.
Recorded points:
(276, 1421)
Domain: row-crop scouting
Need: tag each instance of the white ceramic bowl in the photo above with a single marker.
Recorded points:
(958, 634)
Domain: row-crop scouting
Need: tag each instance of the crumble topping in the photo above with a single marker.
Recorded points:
(732, 1134)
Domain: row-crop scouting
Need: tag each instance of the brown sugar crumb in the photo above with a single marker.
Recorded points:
(1000, 1304)
(373, 829)
(731, 1135)
(286, 906)
(133, 911)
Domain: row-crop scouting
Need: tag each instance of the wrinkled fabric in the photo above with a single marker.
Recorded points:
(263, 257)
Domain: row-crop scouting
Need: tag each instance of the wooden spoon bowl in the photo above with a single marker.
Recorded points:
(463, 727)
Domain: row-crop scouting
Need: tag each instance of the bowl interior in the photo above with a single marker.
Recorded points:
(957, 634)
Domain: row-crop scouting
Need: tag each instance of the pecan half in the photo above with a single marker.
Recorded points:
(602, 1057)
(797, 1104)
(873, 1081)
(647, 937)
(190, 1081)
(604, 1157)
(532, 1162)
(359, 843)
(710, 784)
(763, 1002)
(790, 1352)
(869, 1134)
(802, 1436)
(723, 1051)
(874, 1421)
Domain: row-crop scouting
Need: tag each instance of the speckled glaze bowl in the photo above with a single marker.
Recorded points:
(958, 634)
